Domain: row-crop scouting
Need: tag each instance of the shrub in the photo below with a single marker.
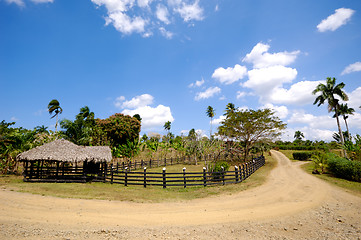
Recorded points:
(303, 156)
(343, 168)
(217, 169)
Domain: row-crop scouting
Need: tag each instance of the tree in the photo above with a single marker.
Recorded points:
(251, 126)
(210, 113)
(328, 93)
(298, 135)
(230, 108)
(344, 110)
(167, 126)
(54, 107)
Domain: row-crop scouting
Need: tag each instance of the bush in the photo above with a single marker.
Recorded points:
(343, 168)
(303, 156)
(217, 169)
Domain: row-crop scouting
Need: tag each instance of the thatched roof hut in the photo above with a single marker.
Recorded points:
(65, 151)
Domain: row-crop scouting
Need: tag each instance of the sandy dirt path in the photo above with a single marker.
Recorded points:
(291, 204)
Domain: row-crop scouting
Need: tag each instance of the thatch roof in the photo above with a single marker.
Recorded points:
(65, 151)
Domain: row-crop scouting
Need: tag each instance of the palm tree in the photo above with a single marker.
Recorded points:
(230, 108)
(210, 113)
(344, 110)
(328, 93)
(298, 135)
(167, 126)
(54, 107)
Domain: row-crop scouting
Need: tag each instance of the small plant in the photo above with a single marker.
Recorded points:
(217, 170)
(320, 160)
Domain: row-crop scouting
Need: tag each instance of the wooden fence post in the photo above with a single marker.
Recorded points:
(112, 175)
(150, 163)
(164, 179)
(222, 174)
(236, 172)
(105, 171)
(165, 162)
(145, 177)
(126, 176)
(204, 177)
(184, 177)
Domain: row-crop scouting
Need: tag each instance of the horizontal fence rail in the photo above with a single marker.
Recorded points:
(183, 179)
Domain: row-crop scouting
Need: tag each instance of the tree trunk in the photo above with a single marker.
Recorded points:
(348, 132)
(340, 132)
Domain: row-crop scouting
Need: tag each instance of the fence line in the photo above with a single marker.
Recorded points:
(184, 178)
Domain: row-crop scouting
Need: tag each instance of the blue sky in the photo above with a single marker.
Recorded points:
(169, 59)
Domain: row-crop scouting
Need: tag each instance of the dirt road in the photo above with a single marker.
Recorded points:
(290, 205)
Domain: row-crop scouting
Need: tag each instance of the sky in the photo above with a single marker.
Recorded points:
(168, 60)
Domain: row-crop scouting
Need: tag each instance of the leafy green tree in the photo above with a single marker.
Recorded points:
(344, 110)
(210, 113)
(230, 109)
(298, 135)
(167, 126)
(251, 126)
(328, 93)
(54, 108)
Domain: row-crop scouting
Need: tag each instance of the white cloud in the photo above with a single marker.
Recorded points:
(20, 3)
(241, 94)
(336, 20)
(218, 120)
(309, 133)
(354, 98)
(189, 11)
(124, 24)
(197, 83)
(299, 93)
(152, 117)
(354, 67)
(200, 133)
(14, 119)
(264, 80)
(317, 122)
(280, 111)
(260, 58)
(230, 75)
(144, 3)
(42, 1)
(210, 92)
(165, 33)
(162, 13)
(136, 102)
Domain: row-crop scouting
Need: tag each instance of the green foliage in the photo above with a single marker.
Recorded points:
(354, 149)
(217, 169)
(251, 126)
(119, 129)
(129, 150)
(303, 156)
(343, 168)
(320, 161)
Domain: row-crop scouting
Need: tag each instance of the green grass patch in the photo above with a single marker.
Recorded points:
(349, 186)
(117, 192)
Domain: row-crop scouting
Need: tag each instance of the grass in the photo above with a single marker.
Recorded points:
(117, 192)
(349, 186)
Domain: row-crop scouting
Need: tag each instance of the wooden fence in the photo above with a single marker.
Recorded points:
(184, 178)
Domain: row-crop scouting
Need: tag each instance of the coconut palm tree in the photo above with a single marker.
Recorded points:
(298, 135)
(167, 126)
(329, 92)
(344, 110)
(54, 107)
(210, 113)
(230, 108)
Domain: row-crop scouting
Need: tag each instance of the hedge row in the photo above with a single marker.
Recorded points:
(343, 168)
(303, 156)
(295, 147)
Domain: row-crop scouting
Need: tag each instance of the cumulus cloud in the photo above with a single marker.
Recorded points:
(260, 58)
(152, 117)
(264, 80)
(354, 67)
(230, 75)
(218, 120)
(336, 20)
(42, 1)
(190, 11)
(241, 94)
(210, 92)
(316, 122)
(309, 133)
(162, 13)
(355, 98)
(143, 16)
(20, 3)
(197, 83)
(280, 111)
(299, 93)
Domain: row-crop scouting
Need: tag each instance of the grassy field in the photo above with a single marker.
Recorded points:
(107, 191)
